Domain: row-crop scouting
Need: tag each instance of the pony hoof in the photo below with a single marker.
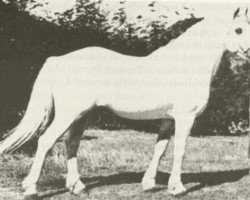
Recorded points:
(78, 188)
(177, 191)
(148, 184)
(27, 183)
(30, 192)
(31, 197)
(81, 193)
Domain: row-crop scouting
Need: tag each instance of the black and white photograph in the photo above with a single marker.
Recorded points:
(124, 99)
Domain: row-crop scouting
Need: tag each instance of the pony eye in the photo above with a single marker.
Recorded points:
(238, 31)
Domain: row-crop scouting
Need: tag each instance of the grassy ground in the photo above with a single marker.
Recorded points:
(112, 164)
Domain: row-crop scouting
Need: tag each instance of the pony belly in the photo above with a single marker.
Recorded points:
(157, 113)
(140, 103)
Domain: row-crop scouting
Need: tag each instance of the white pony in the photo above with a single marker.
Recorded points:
(175, 78)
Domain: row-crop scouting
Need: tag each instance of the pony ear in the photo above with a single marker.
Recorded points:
(236, 13)
(246, 12)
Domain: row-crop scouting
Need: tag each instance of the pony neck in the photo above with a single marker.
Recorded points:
(220, 62)
(203, 43)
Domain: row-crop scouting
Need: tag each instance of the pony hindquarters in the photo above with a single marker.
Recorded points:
(66, 113)
(38, 114)
(59, 125)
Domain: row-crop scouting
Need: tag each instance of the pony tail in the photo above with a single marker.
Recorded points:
(38, 114)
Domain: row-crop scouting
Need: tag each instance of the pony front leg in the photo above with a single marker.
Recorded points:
(164, 135)
(183, 124)
(148, 181)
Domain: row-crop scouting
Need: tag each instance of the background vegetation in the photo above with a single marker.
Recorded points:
(26, 41)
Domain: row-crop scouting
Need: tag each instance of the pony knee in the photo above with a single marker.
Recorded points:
(160, 148)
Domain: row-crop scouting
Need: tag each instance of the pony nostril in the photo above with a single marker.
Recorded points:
(238, 30)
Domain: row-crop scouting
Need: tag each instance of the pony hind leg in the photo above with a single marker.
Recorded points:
(72, 142)
(166, 130)
(57, 128)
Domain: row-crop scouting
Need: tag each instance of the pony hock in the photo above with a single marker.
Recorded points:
(73, 84)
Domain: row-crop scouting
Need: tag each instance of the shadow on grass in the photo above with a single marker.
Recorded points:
(203, 178)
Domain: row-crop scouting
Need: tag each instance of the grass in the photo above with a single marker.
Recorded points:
(112, 164)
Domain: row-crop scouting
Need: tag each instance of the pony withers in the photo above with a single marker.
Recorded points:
(175, 79)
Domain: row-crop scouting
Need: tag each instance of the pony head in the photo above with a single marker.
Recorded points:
(238, 38)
